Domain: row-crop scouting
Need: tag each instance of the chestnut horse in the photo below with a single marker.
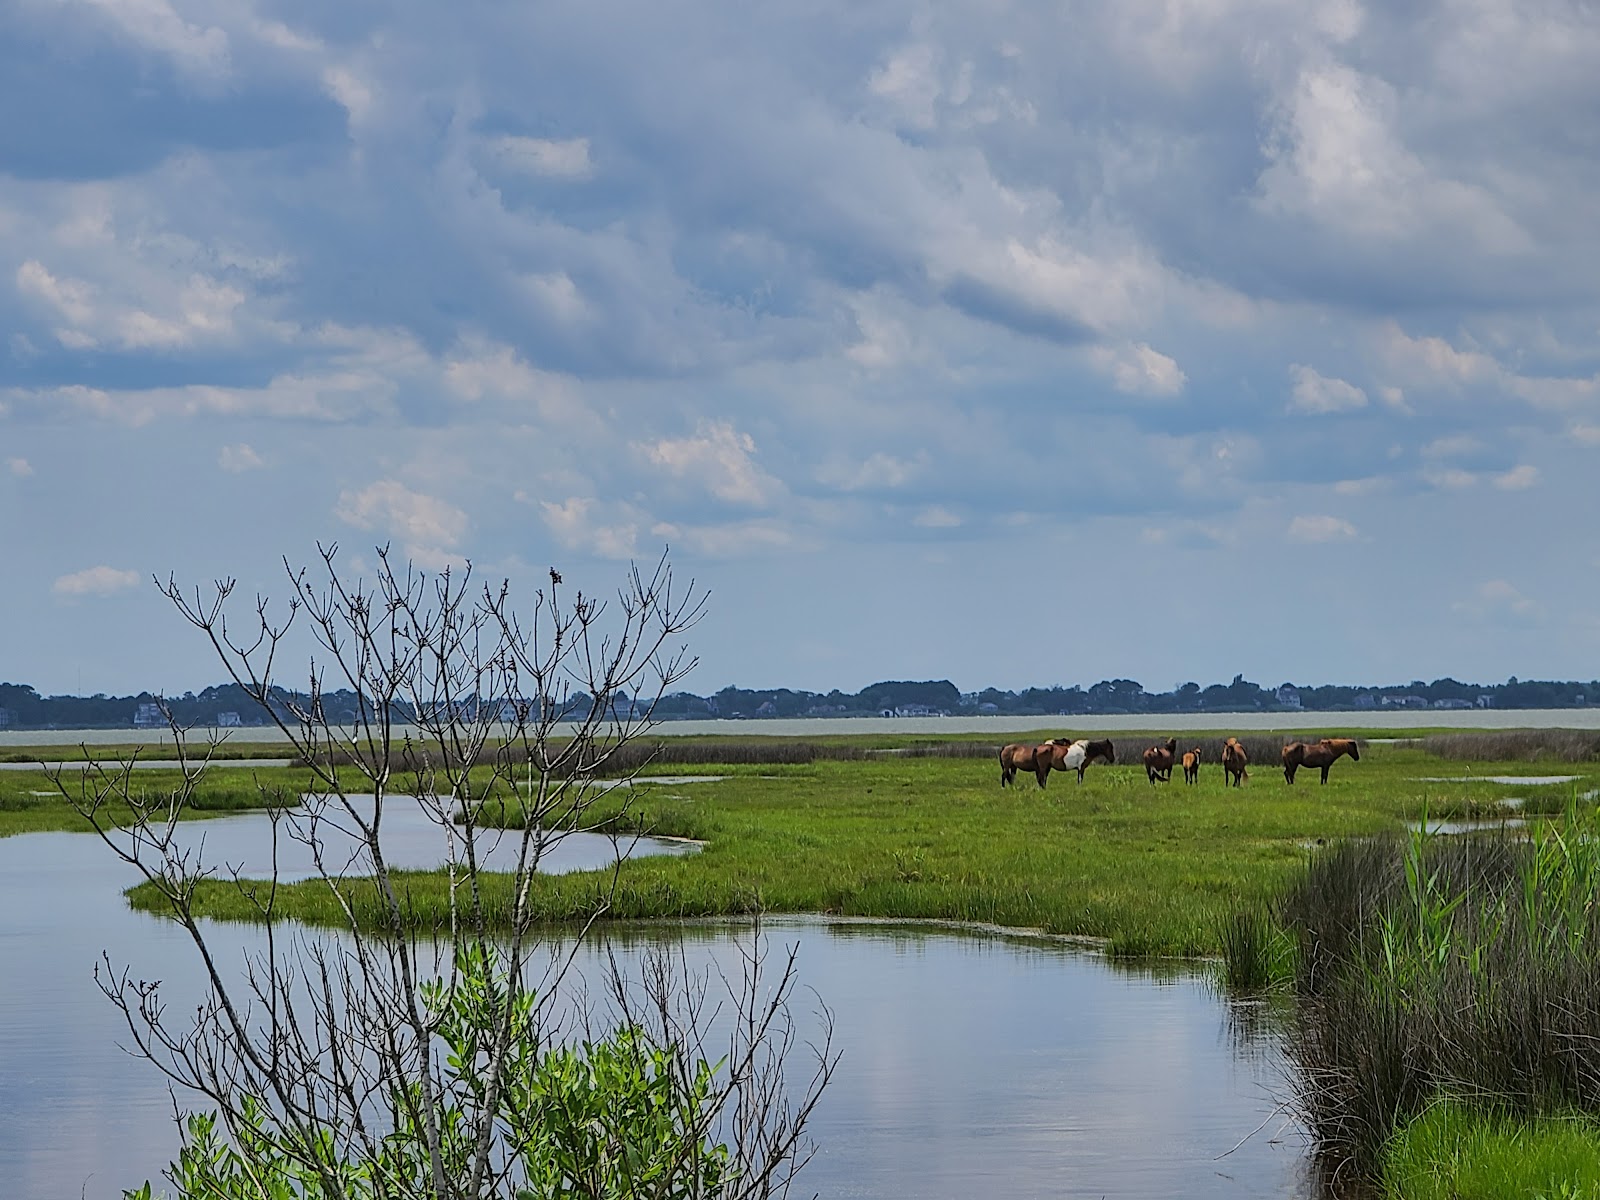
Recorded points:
(1234, 763)
(1158, 761)
(1317, 754)
(1019, 756)
(1191, 766)
(1078, 756)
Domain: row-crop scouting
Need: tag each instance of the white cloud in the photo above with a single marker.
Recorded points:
(351, 91)
(936, 516)
(877, 471)
(909, 82)
(1361, 487)
(1499, 602)
(1434, 362)
(554, 159)
(720, 458)
(1449, 478)
(1517, 479)
(1452, 446)
(1138, 370)
(95, 581)
(154, 24)
(577, 525)
(729, 540)
(72, 298)
(20, 467)
(478, 369)
(239, 458)
(1585, 435)
(1313, 529)
(205, 310)
(1314, 392)
(428, 528)
(557, 296)
(1336, 157)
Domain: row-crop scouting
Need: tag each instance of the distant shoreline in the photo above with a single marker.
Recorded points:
(1477, 718)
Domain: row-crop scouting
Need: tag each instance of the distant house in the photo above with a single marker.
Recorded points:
(914, 710)
(5, 718)
(1485, 699)
(228, 720)
(1452, 703)
(148, 715)
(1405, 702)
(1366, 700)
(767, 709)
(1288, 696)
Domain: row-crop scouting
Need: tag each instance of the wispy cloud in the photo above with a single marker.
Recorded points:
(1315, 529)
(96, 581)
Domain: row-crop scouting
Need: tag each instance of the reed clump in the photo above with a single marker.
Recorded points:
(1516, 745)
(1458, 966)
(635, 755)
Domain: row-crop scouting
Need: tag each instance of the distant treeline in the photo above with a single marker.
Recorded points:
(21, 707)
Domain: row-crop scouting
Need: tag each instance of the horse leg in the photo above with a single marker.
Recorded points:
(1288, 774)
(1325, 774)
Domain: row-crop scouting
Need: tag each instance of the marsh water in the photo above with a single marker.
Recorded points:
(1026, 1067)
(1401, 720)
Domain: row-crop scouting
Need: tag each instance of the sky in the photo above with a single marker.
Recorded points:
(1010, 343)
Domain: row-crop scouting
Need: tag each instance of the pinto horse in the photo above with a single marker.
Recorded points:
(1317, 754)
(1234, 762)
(1191, 766)
(1158, 761)
(1078, 756)
(1020, 756)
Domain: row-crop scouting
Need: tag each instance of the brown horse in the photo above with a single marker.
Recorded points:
(1079, 756)
(1234, 762)
(1191, 766)
(1158, 761)
(1020, 756)
(1317, 754)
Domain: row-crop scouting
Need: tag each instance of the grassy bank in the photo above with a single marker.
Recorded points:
(1454, 1151)
(30, 803)
(1155, 870)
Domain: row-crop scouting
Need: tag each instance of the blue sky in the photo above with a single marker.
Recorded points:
(1013, 343)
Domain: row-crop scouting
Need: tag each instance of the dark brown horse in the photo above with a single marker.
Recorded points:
(1021, 756)
(1078, 756)
(1158, 761)
(1191, 766)
(1234, 763)
(1317, 754)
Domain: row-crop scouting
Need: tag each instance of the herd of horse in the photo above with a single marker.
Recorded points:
(1068, 754)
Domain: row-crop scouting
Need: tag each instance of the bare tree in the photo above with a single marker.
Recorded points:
(415, 1053)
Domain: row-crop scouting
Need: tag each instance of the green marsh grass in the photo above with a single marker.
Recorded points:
(1456, 1151)
(1152, 870)
(30, 803)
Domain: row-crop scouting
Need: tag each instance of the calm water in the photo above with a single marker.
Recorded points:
(1024, 1067)
(1478, 718)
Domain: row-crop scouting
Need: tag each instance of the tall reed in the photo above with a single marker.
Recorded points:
(1468, 967)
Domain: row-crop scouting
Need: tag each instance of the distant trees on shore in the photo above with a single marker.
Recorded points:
(22, 707)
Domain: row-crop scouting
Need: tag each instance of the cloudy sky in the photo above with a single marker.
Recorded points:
(1015, 343)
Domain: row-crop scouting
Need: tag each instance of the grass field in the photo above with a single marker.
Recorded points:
(1457, 1152)
(30, 803)
(1155, 870)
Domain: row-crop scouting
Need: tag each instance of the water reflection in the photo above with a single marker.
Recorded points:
(1025, 1067)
